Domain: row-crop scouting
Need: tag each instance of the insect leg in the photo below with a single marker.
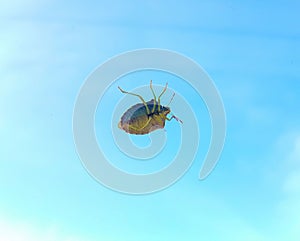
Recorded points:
(153, 109)
(141, 98)
(173, 116)
(142, 127)
(164, 90)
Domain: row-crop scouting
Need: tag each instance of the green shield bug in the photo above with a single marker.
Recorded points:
(146, 117)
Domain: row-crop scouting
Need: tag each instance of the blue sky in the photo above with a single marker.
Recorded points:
(251, 51)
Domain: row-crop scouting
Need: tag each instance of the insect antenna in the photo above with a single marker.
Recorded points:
(164, 90)
(173, 116)
(171, 100)
(154, 101)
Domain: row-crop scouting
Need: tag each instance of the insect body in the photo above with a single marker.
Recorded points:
(145, 117)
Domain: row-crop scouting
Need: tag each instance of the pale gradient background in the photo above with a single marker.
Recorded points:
(250, 49)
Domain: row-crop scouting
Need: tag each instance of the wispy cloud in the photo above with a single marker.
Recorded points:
(289, 205)
(11, 8)
(12, 230)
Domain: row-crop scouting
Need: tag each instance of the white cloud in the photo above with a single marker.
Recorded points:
(12, 230)
(289, 206)
(18, 6)
(291, 184)
(295, 155)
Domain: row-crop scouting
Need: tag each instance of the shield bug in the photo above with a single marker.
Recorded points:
(146, 117)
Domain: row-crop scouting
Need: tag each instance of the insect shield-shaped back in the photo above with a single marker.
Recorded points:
(145, 117)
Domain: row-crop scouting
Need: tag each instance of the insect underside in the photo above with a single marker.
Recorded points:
(145, 117)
